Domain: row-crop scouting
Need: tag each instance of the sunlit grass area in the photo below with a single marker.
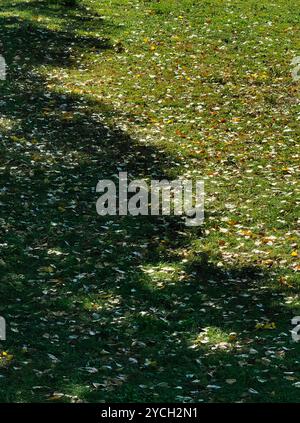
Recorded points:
(145, 309)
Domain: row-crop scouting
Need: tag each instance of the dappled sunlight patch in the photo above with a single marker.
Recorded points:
(7, 124)
(102, 301)
(72, 393)
(5, 359)
(166, 274)
(293, 303)
(214, 338)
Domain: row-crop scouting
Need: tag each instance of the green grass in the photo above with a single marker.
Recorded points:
(143, 308)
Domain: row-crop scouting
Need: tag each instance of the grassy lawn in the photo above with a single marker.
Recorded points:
(145, 309)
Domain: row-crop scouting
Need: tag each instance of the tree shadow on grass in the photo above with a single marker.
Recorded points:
(44, 46)
(115, 308)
